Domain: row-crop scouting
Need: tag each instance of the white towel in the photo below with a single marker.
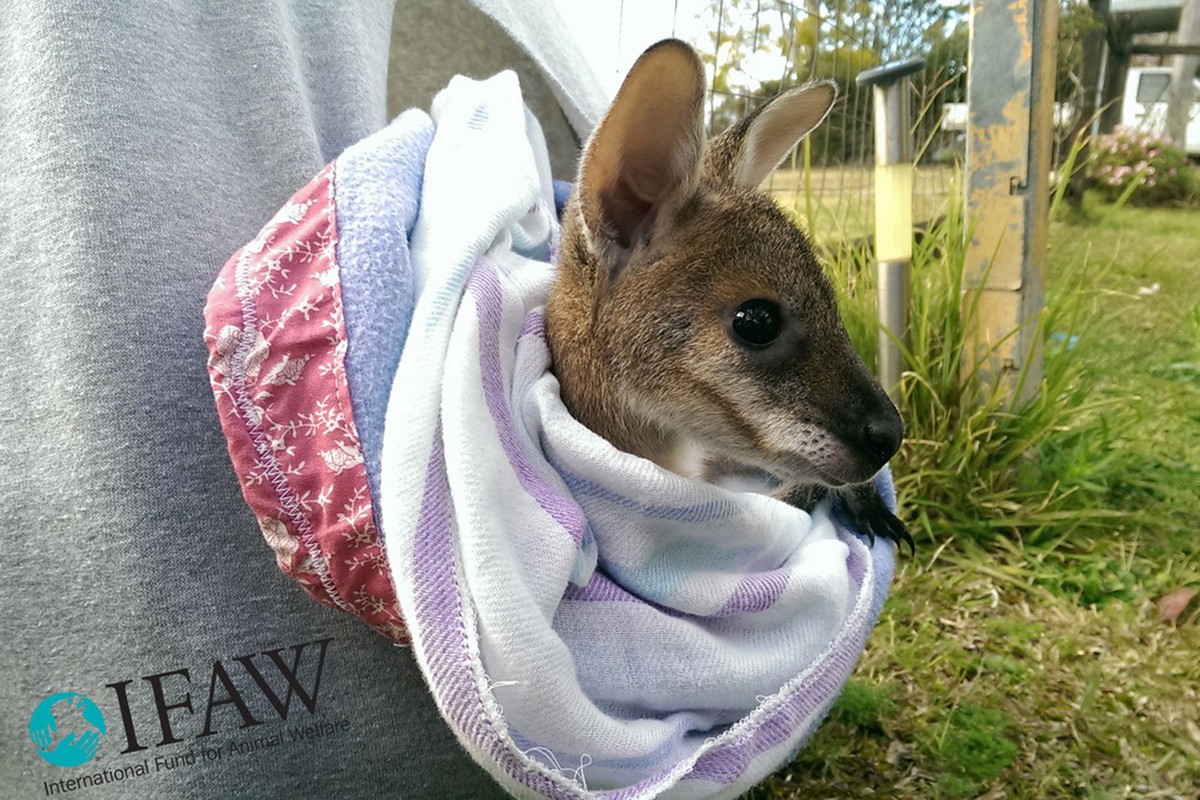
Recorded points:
(589, 624)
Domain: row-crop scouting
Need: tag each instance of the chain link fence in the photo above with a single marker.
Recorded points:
(756, 48)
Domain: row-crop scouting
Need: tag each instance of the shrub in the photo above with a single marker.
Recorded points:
(1141, 167)
(974, 464)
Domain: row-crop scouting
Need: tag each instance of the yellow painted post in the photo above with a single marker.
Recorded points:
(1010, 97)
(893, 211)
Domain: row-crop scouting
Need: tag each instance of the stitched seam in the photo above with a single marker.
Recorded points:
(262, 446)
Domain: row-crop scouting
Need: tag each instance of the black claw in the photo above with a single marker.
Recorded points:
(869, 515)
(860, 505)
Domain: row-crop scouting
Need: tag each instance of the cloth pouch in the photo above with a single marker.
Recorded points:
(589, 624)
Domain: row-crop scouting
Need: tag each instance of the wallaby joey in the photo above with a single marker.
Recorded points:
(691, 317)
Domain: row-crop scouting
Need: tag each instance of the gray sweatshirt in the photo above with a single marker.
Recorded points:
(150, 647)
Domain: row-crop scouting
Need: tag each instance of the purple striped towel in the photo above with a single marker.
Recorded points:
(589, 624)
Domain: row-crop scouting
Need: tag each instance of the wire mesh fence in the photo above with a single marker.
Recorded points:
(754, 49)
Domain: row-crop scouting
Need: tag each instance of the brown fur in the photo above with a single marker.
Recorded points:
(663, 240)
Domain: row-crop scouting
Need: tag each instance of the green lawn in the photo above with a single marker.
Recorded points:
(1046, 670)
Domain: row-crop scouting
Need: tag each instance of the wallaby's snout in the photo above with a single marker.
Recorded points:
(876, 432)
(858, 412)
(883, 434)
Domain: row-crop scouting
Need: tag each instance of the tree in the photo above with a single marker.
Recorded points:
(912, 27)
(829, 39)
(737, 30)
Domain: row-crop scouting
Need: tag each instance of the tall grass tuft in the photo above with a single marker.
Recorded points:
(975, 463)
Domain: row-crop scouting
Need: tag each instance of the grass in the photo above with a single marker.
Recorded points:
(842, 198)
(1022, 653)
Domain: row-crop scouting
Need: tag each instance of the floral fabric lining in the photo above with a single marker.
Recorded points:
(276, 338)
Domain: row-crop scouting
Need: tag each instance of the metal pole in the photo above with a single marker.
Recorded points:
(893, 211)
(1179, 104)
(1010, 122)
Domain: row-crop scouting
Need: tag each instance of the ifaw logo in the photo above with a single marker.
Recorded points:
(67, 728)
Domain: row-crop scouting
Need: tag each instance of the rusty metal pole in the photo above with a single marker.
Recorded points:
(893, 211)
(1179, 106)
(1010, 97)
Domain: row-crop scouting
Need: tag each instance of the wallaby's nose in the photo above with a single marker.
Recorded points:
(883, 433)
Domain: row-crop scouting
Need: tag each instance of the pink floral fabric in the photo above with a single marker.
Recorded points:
(277, 341)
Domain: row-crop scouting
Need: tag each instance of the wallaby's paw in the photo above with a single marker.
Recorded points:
(861, 504)
(869, 515)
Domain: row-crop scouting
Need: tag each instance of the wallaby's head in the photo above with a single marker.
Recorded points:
(688, 309)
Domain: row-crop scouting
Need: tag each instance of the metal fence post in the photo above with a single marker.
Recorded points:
(1010, 99)
(893, 210)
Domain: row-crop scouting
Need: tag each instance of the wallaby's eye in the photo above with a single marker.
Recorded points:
(757, 322)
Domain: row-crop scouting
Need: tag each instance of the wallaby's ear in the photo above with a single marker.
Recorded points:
(644, 157)
(749, 150)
